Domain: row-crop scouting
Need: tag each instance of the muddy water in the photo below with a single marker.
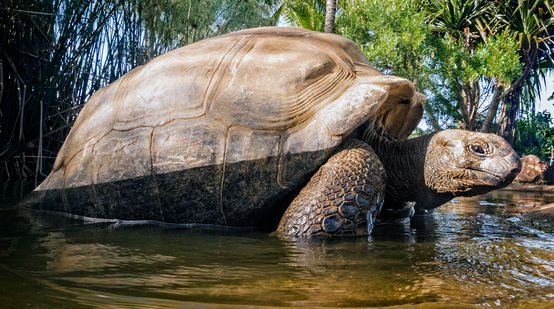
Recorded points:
(472, 252)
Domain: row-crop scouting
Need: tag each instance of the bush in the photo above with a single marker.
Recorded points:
(534, 134)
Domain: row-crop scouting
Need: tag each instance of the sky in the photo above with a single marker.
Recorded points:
(547, 90)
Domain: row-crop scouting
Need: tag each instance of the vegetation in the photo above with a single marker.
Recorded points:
(308, 14)
(481, 63)
(535, 135)
(53, 57)
(398, 42)
(55, 54)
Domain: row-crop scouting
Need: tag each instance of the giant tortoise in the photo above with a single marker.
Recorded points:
(230, 130)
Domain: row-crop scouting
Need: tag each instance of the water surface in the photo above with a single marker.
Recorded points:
(472, 252)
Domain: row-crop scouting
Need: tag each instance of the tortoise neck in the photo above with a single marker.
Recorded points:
(404, 163)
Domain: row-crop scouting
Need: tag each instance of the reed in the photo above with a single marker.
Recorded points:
(55, 54)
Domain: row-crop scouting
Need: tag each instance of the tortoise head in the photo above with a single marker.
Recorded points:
(468, 163)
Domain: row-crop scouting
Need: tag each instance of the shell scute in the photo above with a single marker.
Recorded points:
(221, 130)
(188, 143)
(282, 90)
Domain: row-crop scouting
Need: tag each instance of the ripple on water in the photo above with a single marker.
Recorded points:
(469, 253)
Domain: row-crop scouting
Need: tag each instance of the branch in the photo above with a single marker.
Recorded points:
(1, 84)
(493, 107)
(529, 64)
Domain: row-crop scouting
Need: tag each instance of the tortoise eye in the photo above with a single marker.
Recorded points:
(477, 149)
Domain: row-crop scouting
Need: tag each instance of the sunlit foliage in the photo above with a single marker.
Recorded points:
(535, 135)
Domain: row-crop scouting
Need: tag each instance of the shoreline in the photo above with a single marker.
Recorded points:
(524, 187)
(544, 212)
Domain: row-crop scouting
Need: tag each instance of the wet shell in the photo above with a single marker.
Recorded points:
(220, 131)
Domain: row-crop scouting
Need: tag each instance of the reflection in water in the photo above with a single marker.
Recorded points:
(473, 251)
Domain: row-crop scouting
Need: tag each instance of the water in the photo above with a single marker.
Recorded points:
(472, 252)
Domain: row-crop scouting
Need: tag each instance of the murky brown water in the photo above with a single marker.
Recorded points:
(471, 252)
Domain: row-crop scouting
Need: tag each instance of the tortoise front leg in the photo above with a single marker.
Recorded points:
(342, 198)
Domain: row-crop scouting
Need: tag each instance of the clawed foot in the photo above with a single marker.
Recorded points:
(342, 198)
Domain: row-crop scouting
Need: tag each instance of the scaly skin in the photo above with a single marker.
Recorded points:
(342, 198)
(429, 170)
(433, 169)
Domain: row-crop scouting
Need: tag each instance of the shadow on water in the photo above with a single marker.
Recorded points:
(472, 252)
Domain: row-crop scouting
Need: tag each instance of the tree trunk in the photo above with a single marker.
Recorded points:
(432, 119)
(464, 103)
(508, 115)
(475, 94)
(510, 109)
(493, 108)
(469, 101)
(330, 9)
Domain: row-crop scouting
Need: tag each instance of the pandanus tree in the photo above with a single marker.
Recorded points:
(532, 24)
(504, 41)
(474, 62)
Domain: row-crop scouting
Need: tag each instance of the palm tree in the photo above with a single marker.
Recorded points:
(330, 9)
(308, 14)
(532, 24)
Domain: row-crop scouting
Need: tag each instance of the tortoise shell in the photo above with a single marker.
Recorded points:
(223, 130)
